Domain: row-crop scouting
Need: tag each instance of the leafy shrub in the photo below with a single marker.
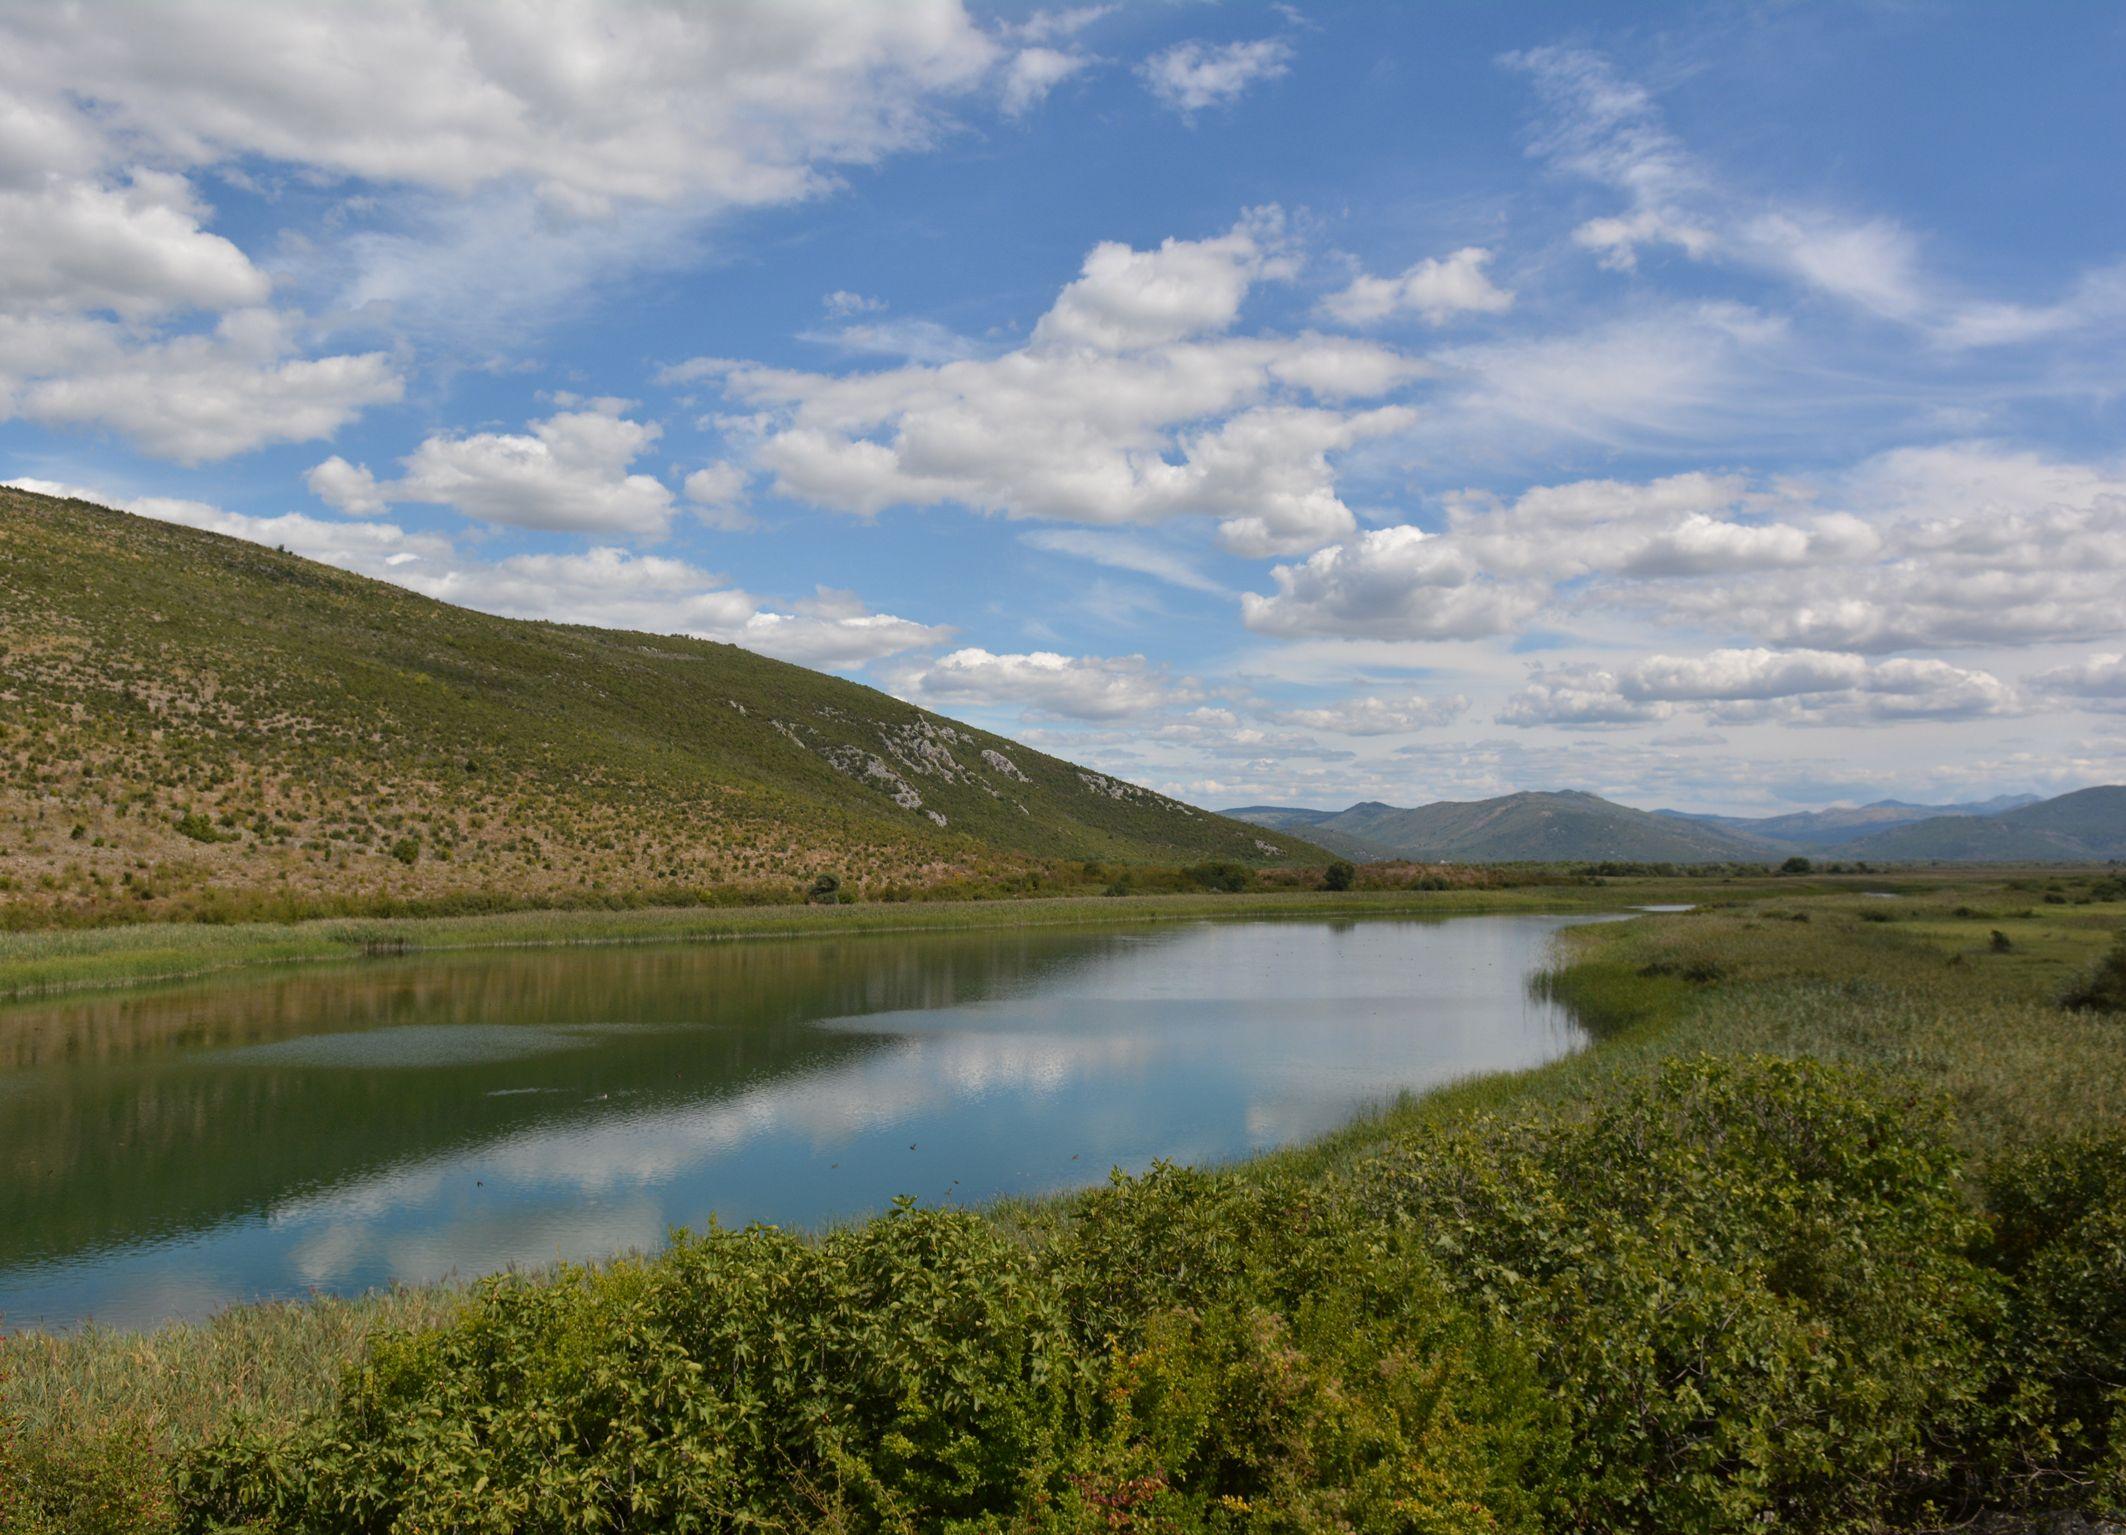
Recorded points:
(89, 1483)
(1340, 875)
(2060, 1238)
(1744, 1283)
(909, 1365)
(2103, 990)
(1219, 874)
(1737, 1294)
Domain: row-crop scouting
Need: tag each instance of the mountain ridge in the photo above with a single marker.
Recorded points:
(2086, 825)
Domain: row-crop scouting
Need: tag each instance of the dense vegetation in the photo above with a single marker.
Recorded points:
(1827, 1235)
(194, 726)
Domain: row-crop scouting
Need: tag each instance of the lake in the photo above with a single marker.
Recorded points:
(168, 1152)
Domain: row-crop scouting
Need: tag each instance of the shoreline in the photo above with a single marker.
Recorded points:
(53, 963)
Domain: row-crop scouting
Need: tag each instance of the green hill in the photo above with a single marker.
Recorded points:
(1567, 825)
(193, 723)
(2087, 825)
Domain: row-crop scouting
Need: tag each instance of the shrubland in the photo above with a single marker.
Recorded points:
(1825, 1234)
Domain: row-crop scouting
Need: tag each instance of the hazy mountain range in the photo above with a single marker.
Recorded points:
(2087, 825)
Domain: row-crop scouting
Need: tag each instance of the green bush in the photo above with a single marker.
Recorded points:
(1340, 875)
(1744, 1283)
(1741, 1294)
(2060, 1239)
(2103, 990)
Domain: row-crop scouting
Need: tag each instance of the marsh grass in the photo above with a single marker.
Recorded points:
(1920, 1005)
(68, 959)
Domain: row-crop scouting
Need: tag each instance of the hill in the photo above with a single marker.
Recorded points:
(196, 722)
(2089, 824)
(1829, 828)
(1566, 825)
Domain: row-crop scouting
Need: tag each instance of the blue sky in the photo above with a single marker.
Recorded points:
(1716, 407)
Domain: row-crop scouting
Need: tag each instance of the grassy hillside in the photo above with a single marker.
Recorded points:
(1538, 827)
(194, 725)
(2089, 824)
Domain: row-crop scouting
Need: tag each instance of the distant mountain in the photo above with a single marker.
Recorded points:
(1831, 828)
(2087, 824)
(1566, 825)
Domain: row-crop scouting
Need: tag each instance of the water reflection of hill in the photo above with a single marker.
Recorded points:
(131, 1117)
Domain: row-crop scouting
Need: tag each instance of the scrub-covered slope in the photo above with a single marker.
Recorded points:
(188, 719)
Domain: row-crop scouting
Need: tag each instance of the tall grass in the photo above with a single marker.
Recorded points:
(1940, 1036)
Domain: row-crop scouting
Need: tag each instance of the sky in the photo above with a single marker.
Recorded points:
(1714, 407)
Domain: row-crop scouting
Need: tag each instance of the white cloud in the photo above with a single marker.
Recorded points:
(1759, 684)
(1191, 76)
(190, 397)
(2096, 682)
(657, 102)
(1388, 583)
(1124, 298)
(1644, 381)
(1034, 72)
(497, 159)
(135, 249)
(347, 487)
(1043, 683)
(1610, 131)
(1373, 715)
(1436, 289)
(1128, 407)
(570, 471)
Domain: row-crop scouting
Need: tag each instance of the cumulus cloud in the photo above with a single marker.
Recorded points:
(488, 150)
(190, 397)
(1745, 685)
(1972, 544)
(660, 102)
(1042, 683)
(1389, 583)
(1124, 298)
(1952, 546)
(1191, 76)
(1127, 406)
(1435, 289)
(569, 471)
(133, 246)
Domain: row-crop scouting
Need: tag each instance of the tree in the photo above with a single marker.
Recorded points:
(1338, 876)
(1797, 865)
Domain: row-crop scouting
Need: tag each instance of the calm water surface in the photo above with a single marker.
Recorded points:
(163, 1154)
